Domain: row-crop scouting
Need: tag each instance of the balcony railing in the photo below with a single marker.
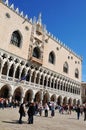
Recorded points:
(14, 81)
(36, 60)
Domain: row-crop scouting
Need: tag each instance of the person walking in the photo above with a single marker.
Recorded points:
(46, 108)
(52, 109)
(21, 112)
(40, 108)
(78, 111)
(85, 112)
(31, 112)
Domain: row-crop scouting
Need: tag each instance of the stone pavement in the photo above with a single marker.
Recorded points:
(9, 121)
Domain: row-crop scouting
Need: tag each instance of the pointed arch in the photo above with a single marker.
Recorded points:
(45, 80)
(46, 97)
(37, 52)
(16, 38)
(76, 73)
(38, 96)
(53, 97)
(18, 93)
(59, 100)
(33, 76)
(17, 73)
(6, 91)
(65, 67)
(23, 74)
(38, 78)
(11, 70)
(41, 80)
(64, 100)
(52, 57)
(29, 95)
(5, 68)
(28, 75)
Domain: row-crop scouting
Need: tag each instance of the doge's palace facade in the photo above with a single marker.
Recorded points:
(49, 70)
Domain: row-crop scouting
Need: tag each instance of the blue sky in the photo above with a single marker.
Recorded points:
(65, 19)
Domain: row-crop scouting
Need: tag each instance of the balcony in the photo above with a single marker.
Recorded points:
(36, 60)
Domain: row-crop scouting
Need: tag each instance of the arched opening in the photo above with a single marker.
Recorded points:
(38, 97)
(17, 72)
(37, 79)
(70, 101)
(76, 73)
(33, 76)
(53, 98)
(29, 96)
(41, 80)
(17, 96)
(23, 74)
(52, 57)
(5, 92)
(46, 97)
(28, 75)
(49, 82)
(65, 67)
(36, 52)
(59, 100)
(16, 38)
(5, 69)
(45, 81)
(11, 70)
(64, 100)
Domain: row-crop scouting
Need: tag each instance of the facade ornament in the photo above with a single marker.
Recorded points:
(7, 2)
(39, 20)
(17, 10)
(12, 6)
(26, 16)
(34, 20)
(31, 20)
(22, 14)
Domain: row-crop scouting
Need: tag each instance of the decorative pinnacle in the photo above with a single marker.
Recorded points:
(7, 2)
(39, 19)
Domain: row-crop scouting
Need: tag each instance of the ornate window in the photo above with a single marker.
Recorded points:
(52, 57)
(16, 38)
(36, 52)
(76, 73)
(65, 67)
(5, 68)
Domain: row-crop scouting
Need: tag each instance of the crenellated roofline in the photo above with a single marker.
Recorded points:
(39, 21)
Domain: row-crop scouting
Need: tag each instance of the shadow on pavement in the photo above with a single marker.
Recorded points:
(13, 122)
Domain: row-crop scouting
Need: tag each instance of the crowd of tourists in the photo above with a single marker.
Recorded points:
(33, 108)
(6, 103)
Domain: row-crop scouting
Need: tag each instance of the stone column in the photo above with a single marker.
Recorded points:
(30, 77)
(8, 71)
(35, 79)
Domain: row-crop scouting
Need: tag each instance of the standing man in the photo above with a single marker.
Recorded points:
(21, 112)
(78, 111)
(31, 112)
(85, 112)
